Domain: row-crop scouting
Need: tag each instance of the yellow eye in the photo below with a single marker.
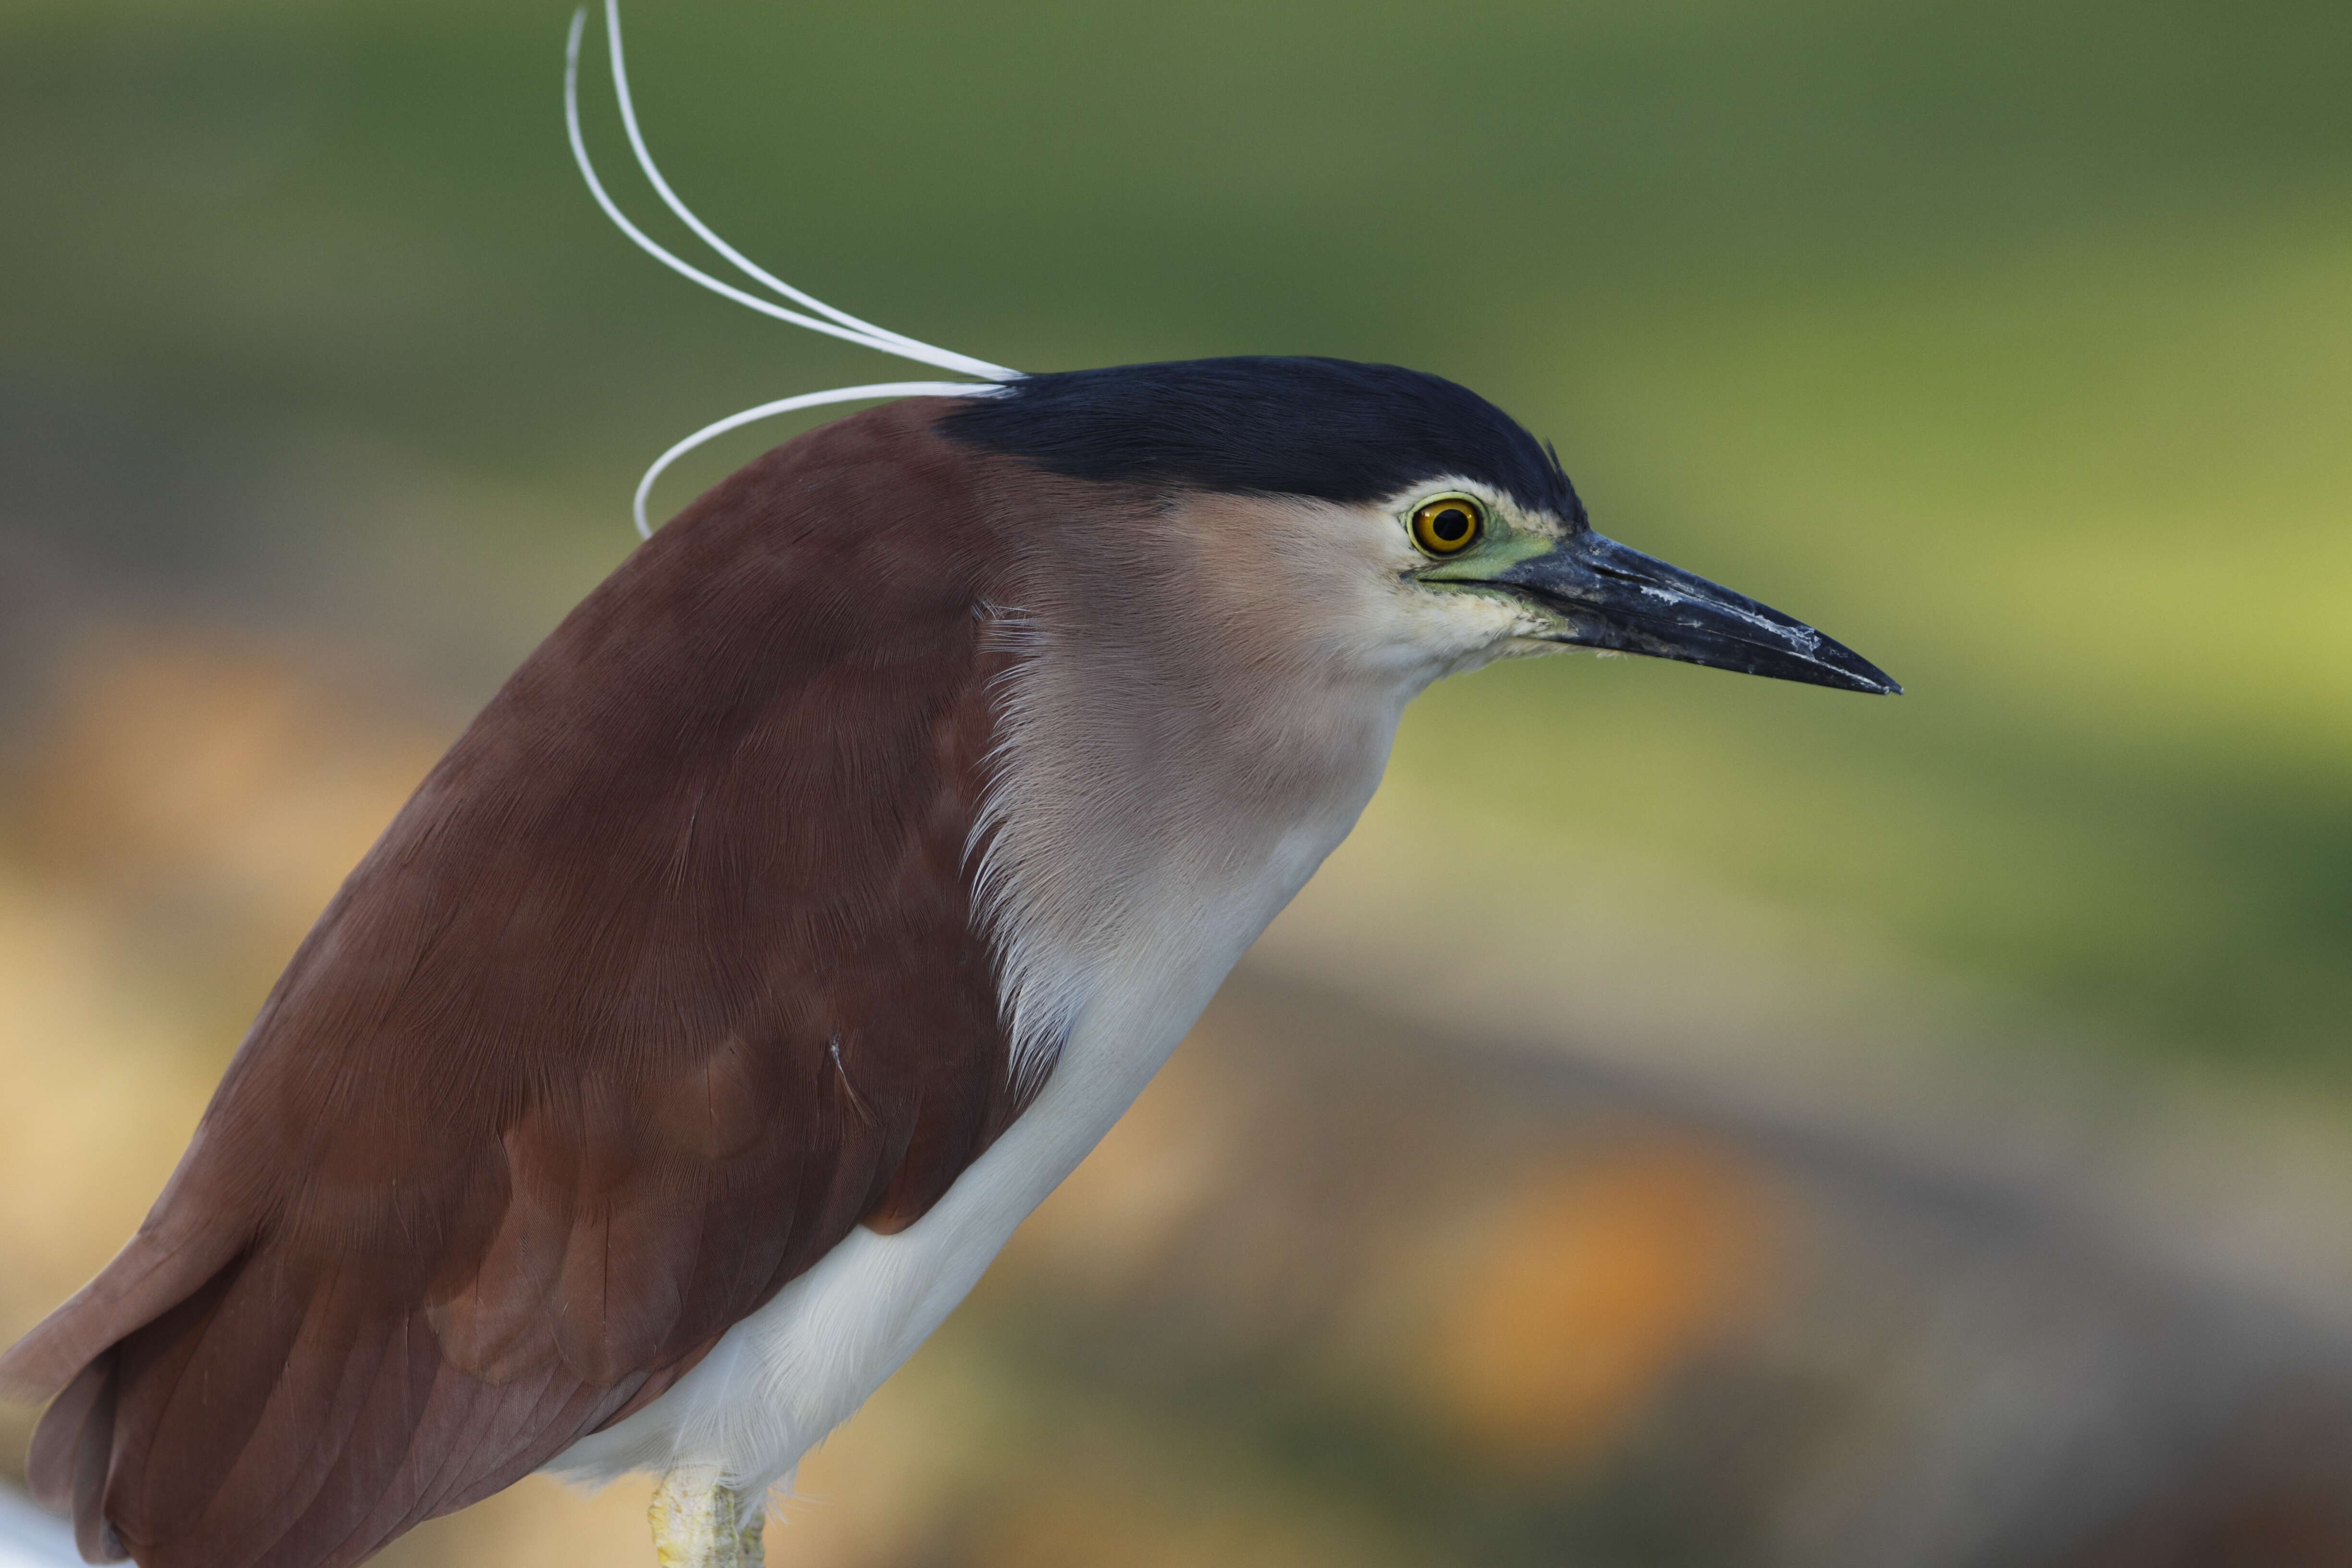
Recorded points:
(1448, 525)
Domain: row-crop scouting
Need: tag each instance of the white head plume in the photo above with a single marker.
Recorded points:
(829, 321)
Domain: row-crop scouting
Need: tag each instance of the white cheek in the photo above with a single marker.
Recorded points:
(1456, 626)
(1449, 630)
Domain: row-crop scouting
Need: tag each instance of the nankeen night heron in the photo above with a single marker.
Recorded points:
(792, 922)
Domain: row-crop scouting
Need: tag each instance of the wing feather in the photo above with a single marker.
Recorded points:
(665, 978)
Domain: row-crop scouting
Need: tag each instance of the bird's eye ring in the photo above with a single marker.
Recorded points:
(1448, 525)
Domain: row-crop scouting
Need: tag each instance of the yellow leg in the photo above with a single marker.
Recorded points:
(699, 1521)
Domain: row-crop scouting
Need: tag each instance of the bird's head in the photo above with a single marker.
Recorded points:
(1389, 511)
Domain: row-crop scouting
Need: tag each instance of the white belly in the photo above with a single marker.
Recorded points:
(783, 1378)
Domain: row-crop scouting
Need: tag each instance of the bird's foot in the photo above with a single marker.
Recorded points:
(700, 1521)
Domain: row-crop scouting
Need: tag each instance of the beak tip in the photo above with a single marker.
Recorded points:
(1833, 663)
(1858, 673)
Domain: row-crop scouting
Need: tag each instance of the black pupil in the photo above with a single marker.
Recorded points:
(1450, 526)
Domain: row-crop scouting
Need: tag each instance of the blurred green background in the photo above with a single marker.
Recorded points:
(2011, 343)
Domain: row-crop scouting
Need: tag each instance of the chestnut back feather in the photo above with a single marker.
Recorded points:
(665, 978)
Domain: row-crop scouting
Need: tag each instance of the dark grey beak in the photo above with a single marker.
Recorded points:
(1613, 597)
